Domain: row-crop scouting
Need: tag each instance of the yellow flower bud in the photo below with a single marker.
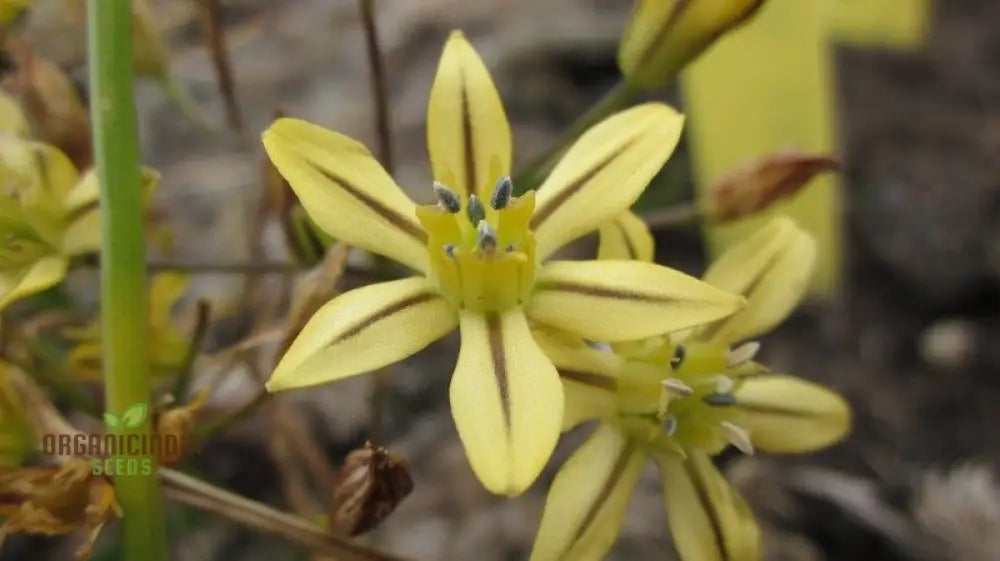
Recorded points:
(664, 35)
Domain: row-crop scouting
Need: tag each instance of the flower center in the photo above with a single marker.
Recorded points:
(482, 256)
(677, 397)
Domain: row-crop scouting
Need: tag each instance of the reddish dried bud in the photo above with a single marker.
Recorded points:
(370, 485)
(758, 185)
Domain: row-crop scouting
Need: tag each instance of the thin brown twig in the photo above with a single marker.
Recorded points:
(204, 496)
(377, 77)
(382, 126)
(210, 22)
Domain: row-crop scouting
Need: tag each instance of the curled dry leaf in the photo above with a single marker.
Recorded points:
(178, 422)
(761, 183)
(57, 500)
(372, 482)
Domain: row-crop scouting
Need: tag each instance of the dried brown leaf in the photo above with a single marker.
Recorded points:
(57, 500)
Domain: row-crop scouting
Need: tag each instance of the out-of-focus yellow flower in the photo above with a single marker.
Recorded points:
(682, 401)
(664, 35)
(17, 438)
(479, 254)
(41, 224)
(168, 345)
(10, 9)
(48, 214)
(12, 119)
(57, 500)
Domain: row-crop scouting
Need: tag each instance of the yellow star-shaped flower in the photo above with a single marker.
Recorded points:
(480, 258)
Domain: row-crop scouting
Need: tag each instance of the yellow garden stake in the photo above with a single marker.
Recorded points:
(764, 87)
(769, 85)
(899, 24)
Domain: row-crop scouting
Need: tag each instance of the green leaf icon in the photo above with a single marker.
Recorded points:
(111, 421)
(134, 415)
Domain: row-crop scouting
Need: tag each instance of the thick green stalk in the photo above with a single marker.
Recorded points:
(123, 260)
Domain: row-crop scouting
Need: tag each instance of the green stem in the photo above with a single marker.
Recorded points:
(531, 175)
(124, 314)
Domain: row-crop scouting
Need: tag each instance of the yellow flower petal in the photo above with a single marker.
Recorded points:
(364, 329)
(624, 300)
(12, 119)
(345, 191)
(164, 291)
(786, 414)
(709, 521)
(83, 235)
(771, 269)
(87, 189)
(626, 237)
(587, 501)
(603, 173)
(468, 136)
(589, 376)
(40, 275)
(506, 399)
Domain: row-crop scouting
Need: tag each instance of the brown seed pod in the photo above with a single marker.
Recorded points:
(371, 483)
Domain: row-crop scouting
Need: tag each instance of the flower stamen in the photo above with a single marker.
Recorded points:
(502, 193)
(475, 211)
(738, 437)
(448, 199)
(743, 353)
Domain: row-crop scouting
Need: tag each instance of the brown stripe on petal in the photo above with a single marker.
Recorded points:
(547, 208)
(592, 379)
(468, 141)
(609, 485)
(706, 502)
(78, 212)
(390, 216)
(603, 292)
(498, 356)
(381, 314)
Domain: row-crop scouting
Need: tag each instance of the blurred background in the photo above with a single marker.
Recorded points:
(910, 337)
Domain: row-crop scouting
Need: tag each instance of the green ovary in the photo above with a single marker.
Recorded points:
(483, 267)
(689, 416)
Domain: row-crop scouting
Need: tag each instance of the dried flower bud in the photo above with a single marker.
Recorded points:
(57, 500)
(664, 35)
(178, 422)
(51, 101)
(762, 183)
(370, 485)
